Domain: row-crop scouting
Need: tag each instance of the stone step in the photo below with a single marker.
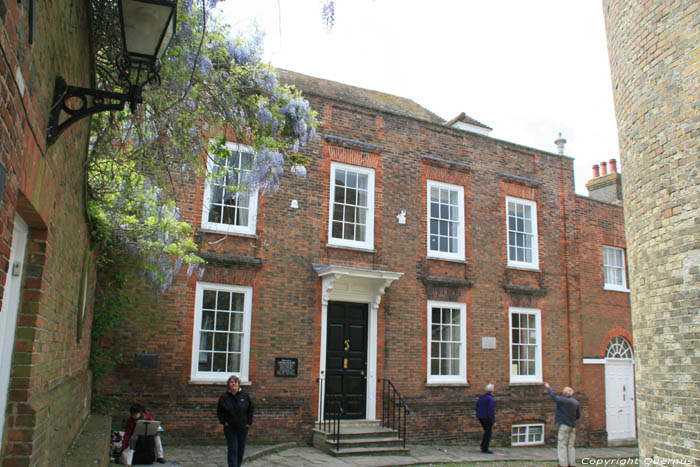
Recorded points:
(387, 441)
(379, 451)
(362, 432)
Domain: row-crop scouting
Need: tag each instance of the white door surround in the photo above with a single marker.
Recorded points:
(347, 284)
(9, 311)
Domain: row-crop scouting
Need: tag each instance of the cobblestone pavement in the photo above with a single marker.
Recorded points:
(293, 455)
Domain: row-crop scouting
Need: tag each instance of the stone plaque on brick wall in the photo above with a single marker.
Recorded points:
(286, 367)
(146, 361)
(488, 342)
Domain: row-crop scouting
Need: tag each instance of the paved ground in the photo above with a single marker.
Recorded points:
(293, 455)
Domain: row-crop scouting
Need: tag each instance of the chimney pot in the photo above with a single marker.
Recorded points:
(613, 166)
(596, 171)
(603, 168)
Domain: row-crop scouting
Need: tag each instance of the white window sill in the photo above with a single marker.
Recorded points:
(225, 232)
(353, 248)
(442, 258)
(212, 382)
(613, 288)
(455, 384)
(523, 268)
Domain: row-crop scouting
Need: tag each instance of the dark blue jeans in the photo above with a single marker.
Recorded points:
(236, 445)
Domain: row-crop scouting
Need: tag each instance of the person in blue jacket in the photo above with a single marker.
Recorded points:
(568, 411)
(486, 413)
(235, 413)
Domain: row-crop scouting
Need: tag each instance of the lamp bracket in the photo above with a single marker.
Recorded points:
(101, 101)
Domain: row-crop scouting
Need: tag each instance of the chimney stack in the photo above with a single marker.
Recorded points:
(604, 186)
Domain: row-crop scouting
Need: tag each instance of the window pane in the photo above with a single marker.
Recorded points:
(206, 340)
(351, 197)
(222, 321)
(363, 182)
(234, 363)
(223, 301)
(205, 361)
(214, 214)
(207, 320)
(237, 322)
(237, 301)
(219, 362)
(220, 341)
(339, 194)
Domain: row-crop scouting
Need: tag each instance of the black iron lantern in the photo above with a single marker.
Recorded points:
(147, 26)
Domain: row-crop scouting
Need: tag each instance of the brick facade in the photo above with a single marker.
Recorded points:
(49, 384)
(654, 49)
(284, 260)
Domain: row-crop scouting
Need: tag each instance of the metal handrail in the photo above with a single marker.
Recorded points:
(394, 410)
(329, 421)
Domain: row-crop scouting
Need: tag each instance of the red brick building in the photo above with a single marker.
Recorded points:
(46, 267)
(416, 250)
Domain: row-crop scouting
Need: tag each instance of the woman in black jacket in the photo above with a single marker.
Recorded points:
(235, 412)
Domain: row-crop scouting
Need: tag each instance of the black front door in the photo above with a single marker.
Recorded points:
(346, 359)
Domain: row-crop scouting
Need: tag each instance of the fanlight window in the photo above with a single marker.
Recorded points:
(618, 348)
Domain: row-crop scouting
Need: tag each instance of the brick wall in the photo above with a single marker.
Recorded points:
(287, 304)
(49, 394)
(653, 48)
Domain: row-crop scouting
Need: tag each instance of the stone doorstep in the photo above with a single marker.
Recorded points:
(358, 438)
(91, 446)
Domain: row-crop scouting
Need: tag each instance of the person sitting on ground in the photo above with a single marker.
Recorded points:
(138, 412)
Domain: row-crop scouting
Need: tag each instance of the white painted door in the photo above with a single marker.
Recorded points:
(10, 307)
(619, 399)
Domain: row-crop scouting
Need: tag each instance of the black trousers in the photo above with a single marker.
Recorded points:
(487, 426)
(236, 445)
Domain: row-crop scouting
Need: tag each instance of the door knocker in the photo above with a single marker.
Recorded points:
(347, 345)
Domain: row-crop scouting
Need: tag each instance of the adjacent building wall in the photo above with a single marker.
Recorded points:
(49, 392)
(654, 49)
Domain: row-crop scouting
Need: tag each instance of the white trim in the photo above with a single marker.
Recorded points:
(459, 254)
(612, 286)
(10, 309)
(537, 377)
(219, 227)
(594, 361)
(527, 433)
(346, 284)
(462, 376)
(535, 263)
(205, 377)
(368, 243)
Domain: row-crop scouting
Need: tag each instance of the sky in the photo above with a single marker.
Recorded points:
(527, 69)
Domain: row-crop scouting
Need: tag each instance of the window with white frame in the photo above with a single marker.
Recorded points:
(445, 221)
(447, 342)
(351, 219)
(221, 337)
(227, 210)
(521, 225)
(614, 268)
(525, 345)
(523, 435)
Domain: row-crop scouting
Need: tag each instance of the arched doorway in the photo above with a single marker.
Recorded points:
(619, 390)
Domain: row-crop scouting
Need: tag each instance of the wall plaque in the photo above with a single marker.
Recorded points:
(146, 361)
(286, 367)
